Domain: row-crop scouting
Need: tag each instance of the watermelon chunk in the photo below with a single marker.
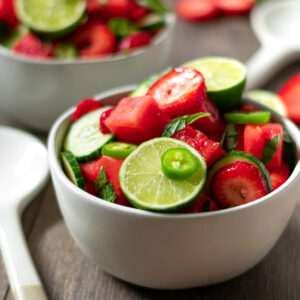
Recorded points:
(90, 172)
(210, 150)
(135, 120)
(255, 137)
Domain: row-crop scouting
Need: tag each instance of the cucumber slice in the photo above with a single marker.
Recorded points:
(84, 138)
(142, 88)
(151, 21)
(66, 50)
(233, 157)
(72, 169)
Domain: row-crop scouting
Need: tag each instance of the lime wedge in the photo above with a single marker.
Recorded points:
(52, 17)
(145, 185)
(269, 99)
(224, 78)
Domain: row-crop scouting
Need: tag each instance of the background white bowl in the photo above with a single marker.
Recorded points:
(172, 251)
(35, 92)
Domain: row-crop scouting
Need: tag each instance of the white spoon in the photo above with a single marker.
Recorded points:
(23, 173)
(277, 26)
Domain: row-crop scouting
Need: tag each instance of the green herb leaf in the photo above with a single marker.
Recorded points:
(108, 193)
(121, 27)
(270, 148)
(206, 206)
(180, 123)
(154, 5)
(101, 181)
(230, 138)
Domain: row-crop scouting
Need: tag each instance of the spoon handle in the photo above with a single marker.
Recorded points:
(264, 63)
(24, 280)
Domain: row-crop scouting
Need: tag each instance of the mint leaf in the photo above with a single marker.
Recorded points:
(270, 148)
(230, 138)
(154, 5)
(180, 123)
(107, 193)
(101, 181)
(121, 27)
(206, 206)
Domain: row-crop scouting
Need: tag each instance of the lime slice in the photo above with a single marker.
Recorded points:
(224, 78)
(269, 99)
(145, 185)
(51, 16)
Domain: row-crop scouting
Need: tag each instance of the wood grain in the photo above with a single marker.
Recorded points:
(68, 275)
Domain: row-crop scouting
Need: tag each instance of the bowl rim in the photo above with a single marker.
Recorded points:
(161, 36)
(58, 172)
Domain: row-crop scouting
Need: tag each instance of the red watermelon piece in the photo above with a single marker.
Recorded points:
(255, 136)
(210, 150)
(135, 120)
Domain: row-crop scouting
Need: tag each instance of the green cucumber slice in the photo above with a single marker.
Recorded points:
(151, 21)
(142, 88)
(66, 50)
(72, 169)
(84, 138)
(248, 118)
(233, 157)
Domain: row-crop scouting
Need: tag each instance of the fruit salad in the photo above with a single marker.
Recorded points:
(181, 141)
(87, 29)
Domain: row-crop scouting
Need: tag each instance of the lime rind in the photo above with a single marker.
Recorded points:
(53, 17)
(145, 185)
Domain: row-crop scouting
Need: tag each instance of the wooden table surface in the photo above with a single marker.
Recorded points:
(67, 274)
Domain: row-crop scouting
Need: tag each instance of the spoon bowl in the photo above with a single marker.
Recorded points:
(24, 171)
(276, 25)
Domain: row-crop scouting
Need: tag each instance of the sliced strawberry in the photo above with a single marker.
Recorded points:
(179, 92)
(279, 175)
(134, 41)
(93, 40)
(136, 12)
(8, 13)
(115, 9)
(135, 120)
(90, 172)
(84, 107)
(238, 183)
(209, 149)
(234, 7)
(290, 94)
(103, 117)
(255, 136)
(93, 6)
(31, 45)
(203, 204)
(196, 10)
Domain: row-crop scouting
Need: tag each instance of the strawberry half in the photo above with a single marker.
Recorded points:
(84, 107)
(234, 7)
(279, 175)
(196, 10)
(210, 150)
(238, 183)
(93, 6)
(134, 41)
(94, 39)
(136, 12)
(103, 117)
(290, 94)
(115, 9)
(179, 92)
(7, 13)
(30, 45)
(203, 204)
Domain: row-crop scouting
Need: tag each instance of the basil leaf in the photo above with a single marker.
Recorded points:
(154, 5)
(180, 123)
(101, 181)
(229, 138)
(270, 148)
(107, 193)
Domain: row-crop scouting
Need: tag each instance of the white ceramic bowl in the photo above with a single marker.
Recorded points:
(36, 92)
(172, 251)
